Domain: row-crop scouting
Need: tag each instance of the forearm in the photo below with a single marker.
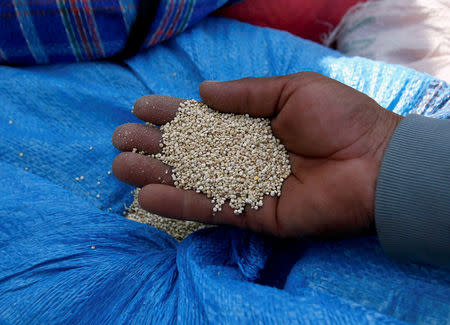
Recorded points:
(412, 205)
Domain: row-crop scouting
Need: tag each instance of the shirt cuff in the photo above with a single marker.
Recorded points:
(412, 203)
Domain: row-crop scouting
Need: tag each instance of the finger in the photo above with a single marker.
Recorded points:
(258, 97)
(142, 137)
(176, 203)
(139, 170)
(156, 109)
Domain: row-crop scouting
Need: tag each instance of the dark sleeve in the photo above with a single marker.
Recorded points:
(412, 204)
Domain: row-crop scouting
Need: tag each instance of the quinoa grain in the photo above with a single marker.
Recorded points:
(225, 156)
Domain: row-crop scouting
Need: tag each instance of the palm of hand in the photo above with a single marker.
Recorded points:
(335, 135)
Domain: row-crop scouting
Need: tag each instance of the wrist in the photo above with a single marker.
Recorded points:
(386, 126)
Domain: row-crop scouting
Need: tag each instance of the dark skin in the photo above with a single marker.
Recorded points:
(336, 137)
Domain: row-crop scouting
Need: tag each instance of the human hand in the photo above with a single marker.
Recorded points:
(335, 135)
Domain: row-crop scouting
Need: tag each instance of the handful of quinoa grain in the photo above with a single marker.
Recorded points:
(225, 156)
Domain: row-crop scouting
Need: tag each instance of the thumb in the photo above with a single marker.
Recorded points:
(258, 97)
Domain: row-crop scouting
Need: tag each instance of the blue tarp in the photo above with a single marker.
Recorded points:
(65, 258)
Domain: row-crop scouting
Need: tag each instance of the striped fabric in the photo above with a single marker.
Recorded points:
(47, 31)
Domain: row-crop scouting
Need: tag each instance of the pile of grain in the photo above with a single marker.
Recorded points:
(225, 156)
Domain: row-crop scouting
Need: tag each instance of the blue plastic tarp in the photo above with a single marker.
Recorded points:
(66, 258)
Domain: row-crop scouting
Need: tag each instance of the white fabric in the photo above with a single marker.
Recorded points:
(414, 33)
